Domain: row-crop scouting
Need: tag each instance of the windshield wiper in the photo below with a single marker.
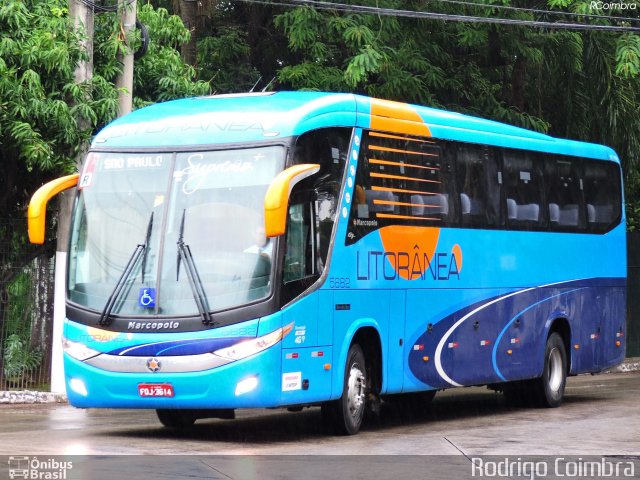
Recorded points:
(146, 245)
(195, 282)
(122, 281)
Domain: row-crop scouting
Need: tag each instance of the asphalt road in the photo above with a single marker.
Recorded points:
(600, 417)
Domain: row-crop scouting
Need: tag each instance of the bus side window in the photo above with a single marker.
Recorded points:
(564, 194)
(478, 179)
(602, 194)
(327, 147)
(299, 269)
(523, 190)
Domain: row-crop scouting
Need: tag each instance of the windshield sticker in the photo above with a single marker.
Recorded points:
(231, 168)
(147, 297)
(137, 162)
(198, 171)
(86, 179)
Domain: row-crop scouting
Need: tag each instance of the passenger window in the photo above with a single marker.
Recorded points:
(564, 194)
(478, 186)
(602, 194)
(523, 191)
(401, 180)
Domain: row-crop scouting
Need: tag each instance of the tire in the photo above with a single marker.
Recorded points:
(549, 388)
(546, 391)
(347, 413)
(178, 419)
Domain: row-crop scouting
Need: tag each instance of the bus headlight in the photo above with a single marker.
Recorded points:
(78, 350)
(256, 345)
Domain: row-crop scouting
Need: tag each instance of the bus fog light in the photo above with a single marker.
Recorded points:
(78, 386)
(246, 385)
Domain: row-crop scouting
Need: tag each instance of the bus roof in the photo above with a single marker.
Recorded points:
(256, 117)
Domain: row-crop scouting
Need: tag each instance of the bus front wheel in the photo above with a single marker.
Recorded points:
(347, 413)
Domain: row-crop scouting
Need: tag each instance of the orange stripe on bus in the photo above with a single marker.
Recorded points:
(396, 137)
(400, 177)
(405, 217)
(400, 164)
(397, 117)
(400, 190)
(397, 150)
(402, 204)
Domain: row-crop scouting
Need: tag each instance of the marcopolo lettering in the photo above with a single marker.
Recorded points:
(152, 325)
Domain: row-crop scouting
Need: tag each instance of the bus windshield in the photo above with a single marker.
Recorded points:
(139, 213)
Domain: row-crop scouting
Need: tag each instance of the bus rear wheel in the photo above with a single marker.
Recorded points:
(548, 390)
(347, 413)
(176, 418)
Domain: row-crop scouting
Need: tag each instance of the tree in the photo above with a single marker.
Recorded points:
(577, 84)
(40, 105)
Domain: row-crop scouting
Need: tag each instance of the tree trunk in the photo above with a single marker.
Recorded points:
(189, 15)
(518, 79)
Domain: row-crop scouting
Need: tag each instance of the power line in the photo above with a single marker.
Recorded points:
(392, 12)
(541, 12)
(101, 7)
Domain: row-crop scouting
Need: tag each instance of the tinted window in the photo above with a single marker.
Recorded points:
(405, 180)
(328, 147)
(564, 193)
(602, 194)
(401, 181)
(478, 186)
(522, 183)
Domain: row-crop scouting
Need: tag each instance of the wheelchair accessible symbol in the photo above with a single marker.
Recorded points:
(147, 297)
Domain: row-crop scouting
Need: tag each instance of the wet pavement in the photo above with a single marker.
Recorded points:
(600, 416)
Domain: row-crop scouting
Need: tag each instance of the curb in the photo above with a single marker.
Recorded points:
(30, 397)
(629, 365)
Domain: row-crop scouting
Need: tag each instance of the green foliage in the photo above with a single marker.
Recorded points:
(632, 200)
(576, 84)
(628, 56)
(18, 358)
(38, 55)
(225, 60)
(46, 118)
(159, 75)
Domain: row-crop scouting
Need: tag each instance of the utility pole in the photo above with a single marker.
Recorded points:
(124, 82)
(83, 20)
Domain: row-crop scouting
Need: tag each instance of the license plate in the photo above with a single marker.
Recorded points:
(155, 390)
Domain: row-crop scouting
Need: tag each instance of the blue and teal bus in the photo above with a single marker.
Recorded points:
(294, 249)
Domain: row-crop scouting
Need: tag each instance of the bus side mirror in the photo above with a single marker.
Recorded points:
(37, 214)
(276, 201)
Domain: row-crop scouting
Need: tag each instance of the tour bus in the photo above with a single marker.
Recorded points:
(299, 249)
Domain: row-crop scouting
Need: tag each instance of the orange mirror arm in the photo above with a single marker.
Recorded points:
(276, 201)
(37, 214)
